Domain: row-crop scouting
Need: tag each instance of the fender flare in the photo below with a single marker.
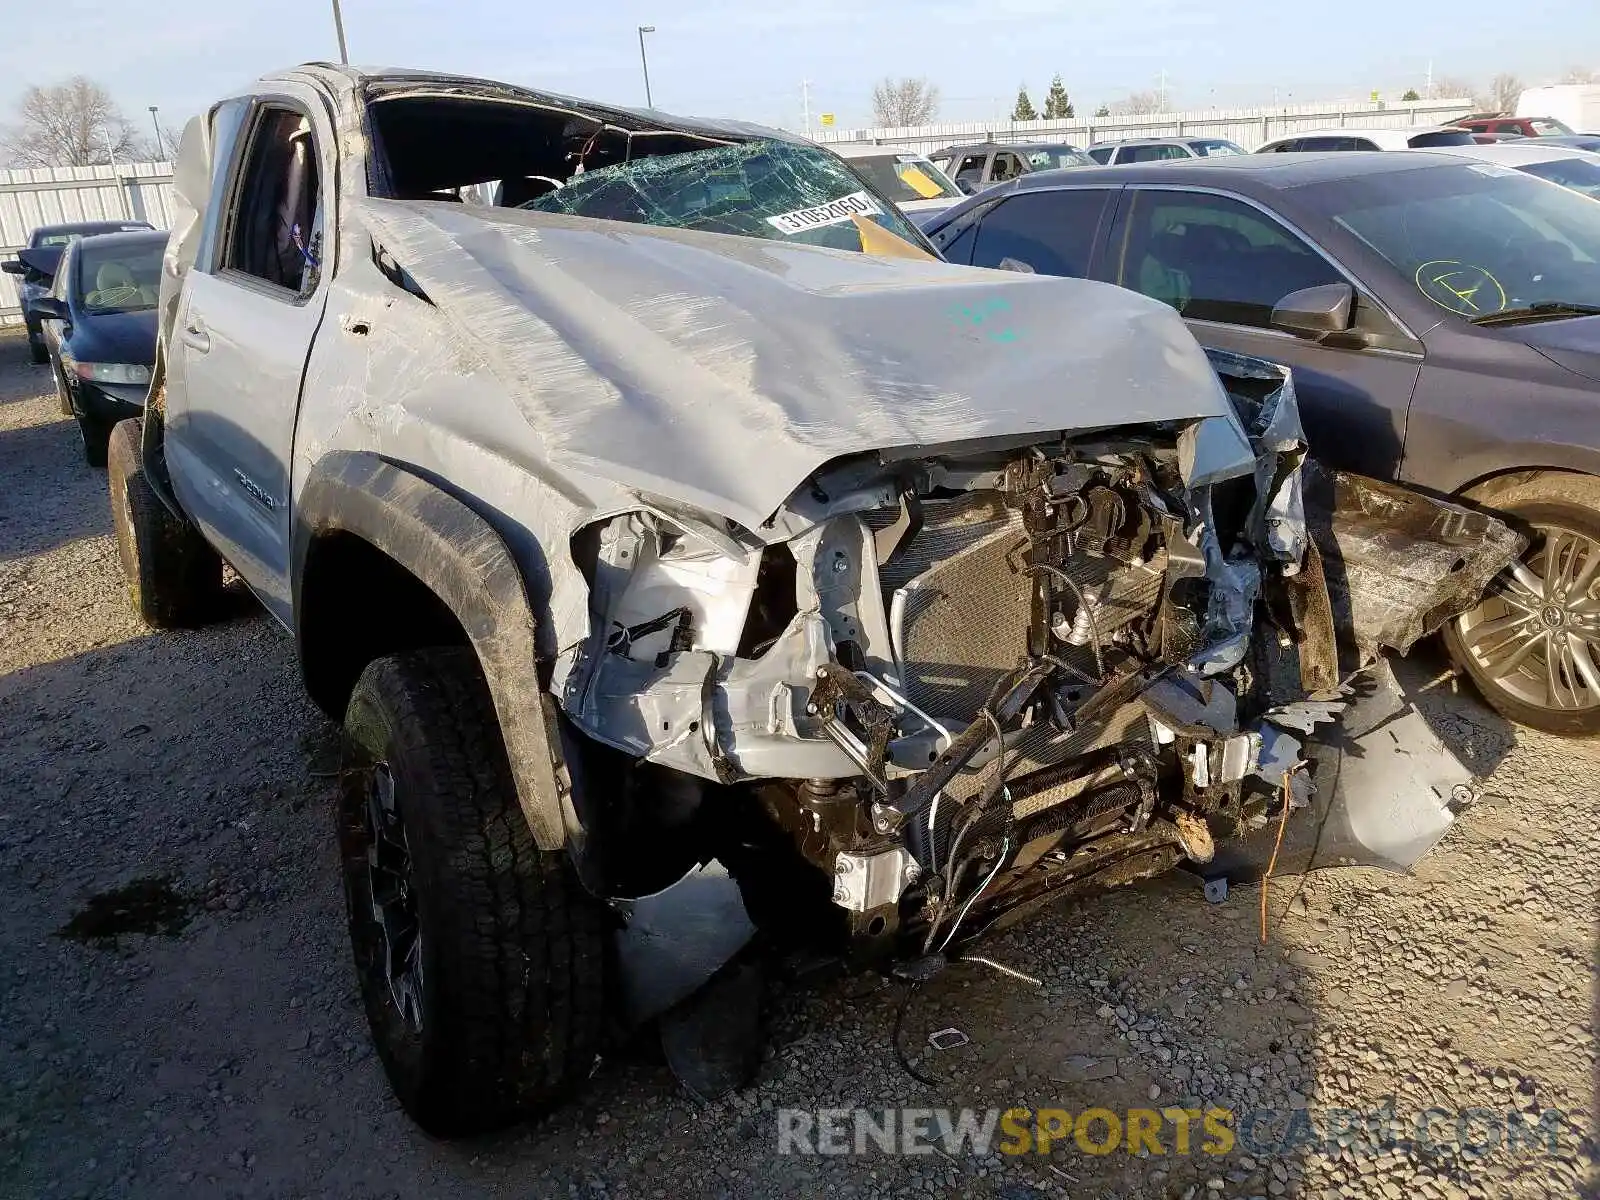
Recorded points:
(457, 555)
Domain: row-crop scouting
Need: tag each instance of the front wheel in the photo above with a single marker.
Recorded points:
(481, 959)
(1532, 645)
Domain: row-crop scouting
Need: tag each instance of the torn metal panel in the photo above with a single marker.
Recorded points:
(676, 939)
(1263, 395)
(1400, 564)
(1386, 790)
(1210, 451)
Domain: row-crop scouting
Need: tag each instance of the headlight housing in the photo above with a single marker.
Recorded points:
(129, 373)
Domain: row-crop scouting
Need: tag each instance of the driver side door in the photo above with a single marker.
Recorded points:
(249, 311)
(1224, 262)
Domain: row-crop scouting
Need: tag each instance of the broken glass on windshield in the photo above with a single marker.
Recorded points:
(767, 189)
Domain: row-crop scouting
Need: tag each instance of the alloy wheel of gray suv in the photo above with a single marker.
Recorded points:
(1532, 646)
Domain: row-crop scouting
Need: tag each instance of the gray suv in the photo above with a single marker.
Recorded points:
(979, 165)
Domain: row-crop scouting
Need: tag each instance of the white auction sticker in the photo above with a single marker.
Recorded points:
(857, 204)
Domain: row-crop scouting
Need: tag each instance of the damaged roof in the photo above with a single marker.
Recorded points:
(381, 82)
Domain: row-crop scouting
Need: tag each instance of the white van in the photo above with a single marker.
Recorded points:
(1576, 105)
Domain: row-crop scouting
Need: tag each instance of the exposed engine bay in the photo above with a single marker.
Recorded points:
(965, 680)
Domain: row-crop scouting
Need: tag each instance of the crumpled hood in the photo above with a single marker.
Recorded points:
(722, 371)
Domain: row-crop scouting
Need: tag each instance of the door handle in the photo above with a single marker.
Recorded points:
(194, 335)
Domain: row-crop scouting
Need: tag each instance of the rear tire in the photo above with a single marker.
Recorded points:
(174, 576)
(1532, 649)
(481, 959)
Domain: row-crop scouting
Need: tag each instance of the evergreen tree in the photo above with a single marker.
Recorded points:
(1024, 108)
(1057, 106)
(1411, 94)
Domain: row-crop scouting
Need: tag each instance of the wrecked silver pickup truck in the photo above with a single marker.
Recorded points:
(687, 552)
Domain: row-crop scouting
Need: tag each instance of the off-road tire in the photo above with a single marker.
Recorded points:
(512, 948)
(1568, 500)
(174, 576)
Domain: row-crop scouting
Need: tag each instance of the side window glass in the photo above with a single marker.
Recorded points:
(1101, 154)
(959, 250)
(1214, 258)
(1292, 146)
(1138, 154)
(1053, 233)
(1362, 144)
(1006, 166)
(971, 162)
(227, 127)
(275, 232)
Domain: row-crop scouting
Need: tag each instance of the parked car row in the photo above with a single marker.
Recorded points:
(978, 165)
(686, 550)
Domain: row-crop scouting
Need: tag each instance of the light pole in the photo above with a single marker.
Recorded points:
(338, 27)
(155, 121)
(643, 62)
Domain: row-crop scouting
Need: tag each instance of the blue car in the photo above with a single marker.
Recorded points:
(36, 265)
(101, 330)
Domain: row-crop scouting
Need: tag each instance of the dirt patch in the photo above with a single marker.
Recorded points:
(147, 906)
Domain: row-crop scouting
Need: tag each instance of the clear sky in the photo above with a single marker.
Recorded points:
(747, 58)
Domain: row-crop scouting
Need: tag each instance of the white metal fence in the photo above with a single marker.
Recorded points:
(61, 195)
(1250, 127)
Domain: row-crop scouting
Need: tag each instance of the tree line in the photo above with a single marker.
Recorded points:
(77, 123)
(897, 103)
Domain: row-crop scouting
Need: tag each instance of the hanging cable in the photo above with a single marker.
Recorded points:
(971, 900)
(1088, 612)
(1283, 819)
(899, 1050)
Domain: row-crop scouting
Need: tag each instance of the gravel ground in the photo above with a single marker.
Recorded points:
(230, 1058)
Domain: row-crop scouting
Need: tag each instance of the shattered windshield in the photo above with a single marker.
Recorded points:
(767, 189)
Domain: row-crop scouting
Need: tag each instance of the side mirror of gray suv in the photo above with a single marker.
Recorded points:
(1315, 311)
